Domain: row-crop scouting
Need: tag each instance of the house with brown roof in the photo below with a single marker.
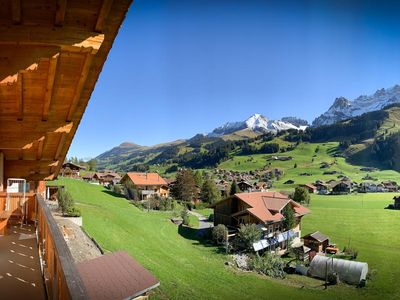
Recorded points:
(146, 184)
(312, 189)
(264, 209)
(70, 169)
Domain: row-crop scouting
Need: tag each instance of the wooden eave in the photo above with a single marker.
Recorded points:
(51, 55)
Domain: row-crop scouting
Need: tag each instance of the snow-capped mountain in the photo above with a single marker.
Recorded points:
(260, 123)
(343, 108)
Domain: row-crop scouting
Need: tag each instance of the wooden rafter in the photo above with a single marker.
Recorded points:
(60, 145)
(49, 88)
(39, 153)
(78, 91)
(56, 36)
(20, 96)
(16, 11)
(103, 14)
(61, 8)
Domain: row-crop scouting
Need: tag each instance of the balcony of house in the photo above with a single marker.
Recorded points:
(35, 262)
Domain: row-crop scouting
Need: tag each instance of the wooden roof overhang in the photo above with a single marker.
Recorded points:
(51, 55)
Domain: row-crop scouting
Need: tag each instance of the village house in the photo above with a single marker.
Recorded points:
(71, 170)
(312, 189)
(341, 188)
(146, 184)
(265, 210)
(322, 188)
(390, 186)
(244, 186)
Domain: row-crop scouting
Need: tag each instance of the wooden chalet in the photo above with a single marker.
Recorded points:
(147, 184)
(244, 185)
(70, 169)
(316, 241)
(390, 186)
(312, 189)
(51, 56)
(341, 188)
(106, 178)
(264, 209)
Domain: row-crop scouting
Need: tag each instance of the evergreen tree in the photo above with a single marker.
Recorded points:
(289, 220)
(210, 192)
(301, 195)
(198, 178)
(234, 188)
(185, 187)
(92, 165)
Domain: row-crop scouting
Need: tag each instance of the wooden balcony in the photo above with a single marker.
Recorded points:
(35, 262)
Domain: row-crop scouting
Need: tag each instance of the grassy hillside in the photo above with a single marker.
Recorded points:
(190, 269)
(308, 160)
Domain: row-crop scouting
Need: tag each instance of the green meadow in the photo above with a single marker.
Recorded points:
(188, 268)
(306, 159)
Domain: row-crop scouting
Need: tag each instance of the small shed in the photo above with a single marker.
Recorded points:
(317, 241)
(352, 272)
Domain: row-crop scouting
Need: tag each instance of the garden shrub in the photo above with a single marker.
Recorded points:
(268, 264)
(248, 234)
(219, 234)
(185, 217)
(332, 278)
(66, 203)
(353, 253)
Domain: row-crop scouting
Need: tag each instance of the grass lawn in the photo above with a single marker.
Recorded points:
(188, 269)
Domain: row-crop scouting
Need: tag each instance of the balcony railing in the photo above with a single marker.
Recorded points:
(61, 277)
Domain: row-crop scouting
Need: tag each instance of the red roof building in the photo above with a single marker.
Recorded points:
(147, 184)
(262, 208)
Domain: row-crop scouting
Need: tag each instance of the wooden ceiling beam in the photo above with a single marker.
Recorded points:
(16, 11)
(49, 87)
(65, 38)
(60, 145)
(39, 152)
(103, 14)
(61, 8)
(78, 91)
(20, 96)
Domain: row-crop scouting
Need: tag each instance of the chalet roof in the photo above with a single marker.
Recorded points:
(73, 165)
(309, 185)
(115, 276)
(146, 178)
(320, 237)
(88, 175)
(266, 206)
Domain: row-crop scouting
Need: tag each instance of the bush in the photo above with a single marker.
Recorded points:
(73, 212)
(66, 203)
(185, 217)
(167, 204)
(248, 234)
(332, 278)
(117, 189)
(353, 253)
(219, 234)
(65, 200)
(268, 264)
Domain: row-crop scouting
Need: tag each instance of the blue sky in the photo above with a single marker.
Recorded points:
(178, 68)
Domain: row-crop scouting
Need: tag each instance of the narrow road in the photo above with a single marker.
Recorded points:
(203, 221)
